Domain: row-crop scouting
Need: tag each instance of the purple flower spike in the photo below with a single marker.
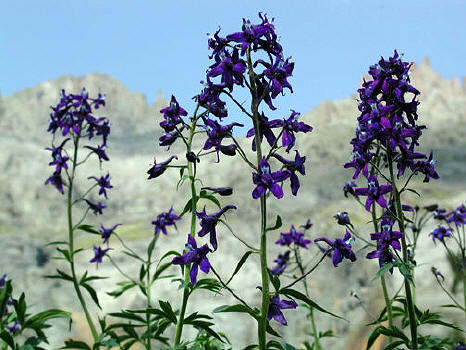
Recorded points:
(265, 180)
(440, 233)
(275, 307)
(195, 256)
(104, 183)
(165, 219)
(159, 169)
(107, 232)
(208, 223)
(374, 192)
(99, 253)
(341, 248)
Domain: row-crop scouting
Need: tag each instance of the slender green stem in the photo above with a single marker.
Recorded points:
(464, 290)
(186, 290)
(401, 225)
(388, 302)
(262, 322)
(71, 242)
(148, 296)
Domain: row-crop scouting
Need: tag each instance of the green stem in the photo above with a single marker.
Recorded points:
(179, 323)
(71, 243)
(401, 225)
(262, 322)
(388, 303)
(464, 290)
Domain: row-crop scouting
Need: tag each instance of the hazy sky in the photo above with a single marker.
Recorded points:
(162, 45)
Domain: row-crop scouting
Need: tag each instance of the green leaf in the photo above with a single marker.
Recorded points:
(65, 253)
(160, 270)
(240, 264)
(394, 345)
(150, 247)
(7, 338)
(278, 224)
(129, 316)
(275, 282)
(236, 308)
(298, 295)
(75, 344)
(44, 316)
(210, 197)
(414, 191)
(182, 179)
(373, 335)
(383, 270)
(405, 270)
(88, 228)
(5, 293)
(142, 273)
(208, 283)
(272, 331)
(20, 308)
(125, 285)
(92, 293)
(167, 308)
(188, 206)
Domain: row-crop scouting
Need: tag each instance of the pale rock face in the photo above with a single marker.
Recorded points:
(29, 209)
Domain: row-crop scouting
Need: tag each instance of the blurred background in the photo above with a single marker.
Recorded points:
(139, 54)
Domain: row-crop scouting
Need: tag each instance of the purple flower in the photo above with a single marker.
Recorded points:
(386, 238)
(107, 232)
(165, 219)
(215, 135)
(440, 233)
(286, 238)
(99, 253)
(374, 192)
(209, 98)
(104, 183)
(427, 168)
(349, 188)
(265, 129)
(278, 73)
(3, 280)
(265, 180)
(341, 248)
(96, 208)
(458, 216)
(441, 214)
(282, 263)
(100, 151)
(460, 346)
(208, 223)
(290, 126)
(59, 160)
(343, 218)
(252, 34)
(195, 256)
(438, 274)
(275, 307)
(56, 181)
(293, 166)
(159, 169)
(223, 191)
(360, 161)
(230, 67)
(172, 115)
(14, 328)
(307, 225)
(168, 138)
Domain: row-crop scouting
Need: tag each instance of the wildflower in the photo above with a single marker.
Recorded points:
(195, 256)
(230, 67)
(290, 126)
(107, 232)
(99, 253)
(349, 188)
(56, 182)
(96, 208)
(293, 166)
(282, 263)
(441, 214)
(3, 280)
(14, 328)
(427, 168)
(440, 233)
(278, 73)
(215, 135)
(307, 225)
(100, 151)
(265, 180)
(438, 274)
(341, 248)
(59, 160)
(458, 216)
(374, 192)
(223, 191)
(275, 307)
(343, 218)
(209, 222)
(265, 129)
(159, 169)
(165, 219)
(287, 238)
(104, 183)
(172, 115)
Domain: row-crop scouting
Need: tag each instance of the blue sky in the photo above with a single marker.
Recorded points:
(162, 45)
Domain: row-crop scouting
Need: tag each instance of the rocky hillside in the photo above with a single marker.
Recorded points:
(27, 208)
